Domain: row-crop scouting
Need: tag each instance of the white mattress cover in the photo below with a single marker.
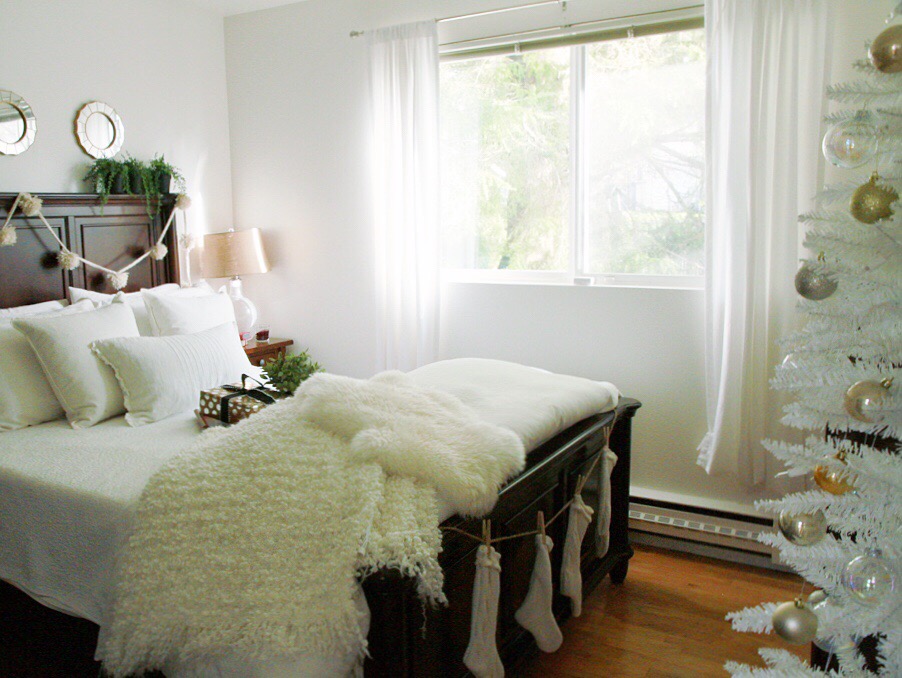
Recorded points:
(67, 496)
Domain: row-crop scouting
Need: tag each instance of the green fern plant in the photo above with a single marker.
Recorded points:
(286, 373)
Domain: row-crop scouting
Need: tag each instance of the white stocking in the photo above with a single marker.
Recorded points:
(535, 614)
(571, 575)
(603, 527)
(482, 652)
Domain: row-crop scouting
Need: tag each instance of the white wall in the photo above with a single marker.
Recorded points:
(297, 105)
(159, 63)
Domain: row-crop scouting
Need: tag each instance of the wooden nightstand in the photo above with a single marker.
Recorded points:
(264, 353)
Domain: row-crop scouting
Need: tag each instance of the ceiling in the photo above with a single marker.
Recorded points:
(229, 7)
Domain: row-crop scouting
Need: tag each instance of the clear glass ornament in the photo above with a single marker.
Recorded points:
(869, 578)
(803, 529)
(789, 362)
(864, 400)
(850, 143)
(830, 644)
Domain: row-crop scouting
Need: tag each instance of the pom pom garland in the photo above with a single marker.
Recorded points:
(7, 236)
(31, 205)
(68, 260)
(117, 280)
(158, 251)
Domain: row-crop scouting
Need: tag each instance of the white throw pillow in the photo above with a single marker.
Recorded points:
(177, 314)
(33, 309)
(162, 376)
(26, 398)
(133, 299)
(85, 386)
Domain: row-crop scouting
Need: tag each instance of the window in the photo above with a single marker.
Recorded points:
(583, 161)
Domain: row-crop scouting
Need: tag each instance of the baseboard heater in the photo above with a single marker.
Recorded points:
(718, 534)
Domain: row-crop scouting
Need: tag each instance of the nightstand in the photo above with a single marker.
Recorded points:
(259, 353)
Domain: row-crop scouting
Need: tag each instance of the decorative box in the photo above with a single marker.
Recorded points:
(231, 403)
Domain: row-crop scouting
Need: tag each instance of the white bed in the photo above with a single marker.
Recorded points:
(67, 497)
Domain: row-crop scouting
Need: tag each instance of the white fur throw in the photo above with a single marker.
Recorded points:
(251, 540)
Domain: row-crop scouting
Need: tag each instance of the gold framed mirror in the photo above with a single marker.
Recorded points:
(99, 130)
(18, 126)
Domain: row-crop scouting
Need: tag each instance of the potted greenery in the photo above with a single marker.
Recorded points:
(285, 373)
(134, 175)
(165, 176)
(107, 176)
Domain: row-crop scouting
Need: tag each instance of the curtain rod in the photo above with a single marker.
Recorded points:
(486, 12)
(562, 3)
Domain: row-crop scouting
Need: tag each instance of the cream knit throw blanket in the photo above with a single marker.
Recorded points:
(251, 540)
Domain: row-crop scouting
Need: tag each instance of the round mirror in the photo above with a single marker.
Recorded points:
(99, 130)
(18, 125)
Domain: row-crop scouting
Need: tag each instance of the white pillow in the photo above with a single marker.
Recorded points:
(33, 309)
(162, 376)
(133, 299)
(26, 398)
(86, 387)
(177, 314)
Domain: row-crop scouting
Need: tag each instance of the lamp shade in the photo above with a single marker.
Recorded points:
(234, 253)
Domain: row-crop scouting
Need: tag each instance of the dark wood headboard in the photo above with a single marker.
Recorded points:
(29, 272)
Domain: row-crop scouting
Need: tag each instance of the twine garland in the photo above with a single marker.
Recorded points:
(541, 524)
(30, 206)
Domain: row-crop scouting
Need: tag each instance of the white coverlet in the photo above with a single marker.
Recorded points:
(67, 497)
(214, 564)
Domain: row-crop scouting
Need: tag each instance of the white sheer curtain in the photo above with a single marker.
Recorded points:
(404, 101)
(766, 77)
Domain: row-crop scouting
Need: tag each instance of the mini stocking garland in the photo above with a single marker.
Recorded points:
(535, 614)
(571, 576)
(603, 526)
(482, 653)
(30, 206)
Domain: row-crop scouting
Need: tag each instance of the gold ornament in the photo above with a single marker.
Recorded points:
(864, 399)
(833, 481)
(886, 50)
(871, 201)
(794, 622)
(813, 285)
(803, 529)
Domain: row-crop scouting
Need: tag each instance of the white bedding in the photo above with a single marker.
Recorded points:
(67, 497)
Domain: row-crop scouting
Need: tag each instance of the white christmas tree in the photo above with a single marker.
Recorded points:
(842, 369)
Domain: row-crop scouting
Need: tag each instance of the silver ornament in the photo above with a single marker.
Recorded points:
(803, 529)
(869, 578)
(813, 285)
(794, 622)
(864, 400)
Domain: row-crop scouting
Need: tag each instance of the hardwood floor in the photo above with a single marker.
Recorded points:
(667, 620)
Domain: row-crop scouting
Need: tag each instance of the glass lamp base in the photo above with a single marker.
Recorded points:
(245, 311)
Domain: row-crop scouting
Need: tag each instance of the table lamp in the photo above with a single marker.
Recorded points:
(231, 255)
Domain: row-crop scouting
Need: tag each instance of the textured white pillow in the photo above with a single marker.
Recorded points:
(86, 387)
(33, 309)
(177, 314)
(26, 398)
(162, 376)
(133, 299)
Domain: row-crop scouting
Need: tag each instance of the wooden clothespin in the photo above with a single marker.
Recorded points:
(540, 523)
(487, 532)
(580, 481)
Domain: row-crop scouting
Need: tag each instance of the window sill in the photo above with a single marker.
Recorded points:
(496, 277)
